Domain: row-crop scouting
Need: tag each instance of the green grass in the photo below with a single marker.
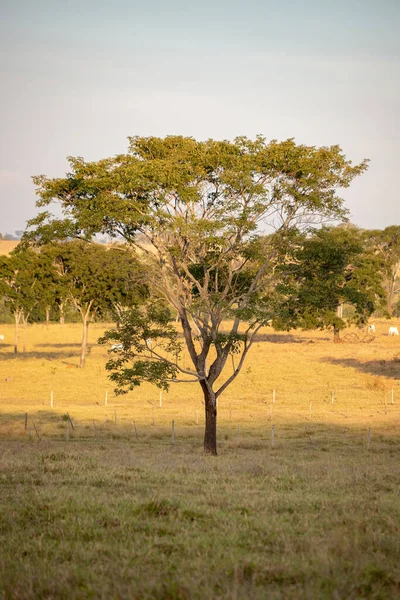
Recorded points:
(149, 520)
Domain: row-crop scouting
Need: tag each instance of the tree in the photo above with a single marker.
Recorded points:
(93, 279)
(50, 285)
(327, 269)
(129, 289)
(200, 206)
(386, 246)
(18, 273)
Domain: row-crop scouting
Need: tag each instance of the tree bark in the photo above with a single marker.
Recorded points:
(17, 317)
(389, 299)
(210, 432)
(24, 323)
(85, 323)
(62, 317)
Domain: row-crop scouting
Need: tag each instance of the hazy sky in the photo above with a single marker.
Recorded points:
(79, 76)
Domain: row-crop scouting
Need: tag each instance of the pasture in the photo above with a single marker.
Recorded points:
(99, 501)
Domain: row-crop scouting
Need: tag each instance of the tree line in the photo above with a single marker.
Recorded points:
(94, 280)
(228, 236)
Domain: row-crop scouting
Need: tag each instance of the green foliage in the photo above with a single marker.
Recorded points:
(148, 339)
(19, 281)
(385, 244)
(328, 268)
(94, 277)
(5, 314)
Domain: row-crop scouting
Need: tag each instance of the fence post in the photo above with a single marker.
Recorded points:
(67, 432)
(153, 416)
(369, 438)
(37, 433)
(272, 436)
(333, 397)
(173, 433)
(26, 421)
(136, 435)
(273, 396)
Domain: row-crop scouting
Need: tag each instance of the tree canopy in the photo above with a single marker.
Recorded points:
(327, 268)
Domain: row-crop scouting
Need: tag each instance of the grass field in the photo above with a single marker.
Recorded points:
(119, 511)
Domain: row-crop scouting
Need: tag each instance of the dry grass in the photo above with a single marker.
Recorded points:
(112, 515)
(304, 369)
(7, 246)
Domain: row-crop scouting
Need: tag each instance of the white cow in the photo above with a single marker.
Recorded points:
(1, 337)
(115, 347)
(371, 328)
(393, 331)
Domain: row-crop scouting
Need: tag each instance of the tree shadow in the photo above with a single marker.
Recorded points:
(43, 355)
(384, 368)
(317, 435)
(51, 345)
(288, 338)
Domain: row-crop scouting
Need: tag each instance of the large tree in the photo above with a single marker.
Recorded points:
(199, 208)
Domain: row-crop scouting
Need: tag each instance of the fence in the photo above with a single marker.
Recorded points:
(316, 417)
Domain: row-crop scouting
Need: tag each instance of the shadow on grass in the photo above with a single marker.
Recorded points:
(280, 338)
(44, 355)
(51, 345)
(51, 426)
(384, 368)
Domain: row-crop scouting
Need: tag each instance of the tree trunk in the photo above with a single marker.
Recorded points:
(389, 299)
(210, 433)
(62, 317)
(85, 323)
(17, 318)
(24, 323)
(47, 315)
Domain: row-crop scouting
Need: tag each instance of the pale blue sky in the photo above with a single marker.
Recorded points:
(79, 76)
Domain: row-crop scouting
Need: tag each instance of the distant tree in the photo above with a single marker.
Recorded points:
(199, 207)
(329, 268)
(50, 287)
(129, 288)
(18, 273)
(94, 279)
(385, 244)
